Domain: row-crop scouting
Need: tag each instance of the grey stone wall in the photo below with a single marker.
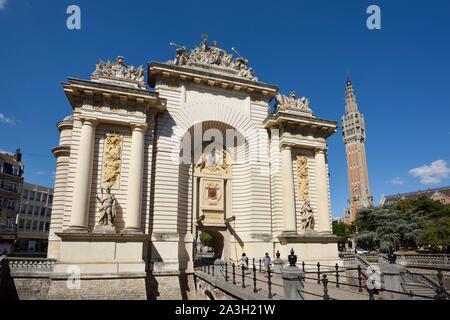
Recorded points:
(100, 289)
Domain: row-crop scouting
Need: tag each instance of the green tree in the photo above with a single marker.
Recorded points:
(408, 223)
(207, 239)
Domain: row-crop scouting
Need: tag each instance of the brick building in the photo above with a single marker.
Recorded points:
(11, 182)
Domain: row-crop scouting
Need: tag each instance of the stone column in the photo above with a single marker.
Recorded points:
(287, 177)
(323, 208)
(135, 179)
(81, 190)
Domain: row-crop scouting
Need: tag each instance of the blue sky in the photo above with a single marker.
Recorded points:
(401, 73)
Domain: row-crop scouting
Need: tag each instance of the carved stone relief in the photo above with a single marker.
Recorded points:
(303, 178)
(112, 158)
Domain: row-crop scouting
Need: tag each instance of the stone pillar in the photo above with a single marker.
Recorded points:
(287, 177)
(391, 275)
(293, 283)
(135, 179)
(323, 208)
(81, 190)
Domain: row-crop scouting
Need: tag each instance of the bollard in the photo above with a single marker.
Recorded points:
(243, 276)
(269, 283)
(359, 278)
(337, 275)
(234, 273)
(254, 279)
(325, 287)
(226, 271)
(318, 272)
(293, 280)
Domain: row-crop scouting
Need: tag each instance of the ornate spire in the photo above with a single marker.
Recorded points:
(350, 100)
(119, 73)
(205, 55)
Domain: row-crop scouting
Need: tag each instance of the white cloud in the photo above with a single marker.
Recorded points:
(4, 118)
(4, 151)
(432, 174)
(2, 4)
(396, 181)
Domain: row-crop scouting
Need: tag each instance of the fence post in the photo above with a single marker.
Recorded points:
(337, 275)
(208, 268)
(371, 297)
(234, 273)
(303, 266)
(325, 288)
(359, 279)
(243, 276)
(293, 280)
(226, 271)
(259, 265)
(269, 283)
(318, 272)
(213, 269)
(440, 291)
(254, 279)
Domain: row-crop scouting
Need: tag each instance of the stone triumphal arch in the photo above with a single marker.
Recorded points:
(140, 172)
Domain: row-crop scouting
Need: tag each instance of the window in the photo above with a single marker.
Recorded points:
(21, 223)
(14, 186)
(49, 212)
(44, 198)
(35, 225)
(47, 226)
(41, 226)
(30, 209)
(23, 209)
(15, 171)
(38, 196)
(25, 194)
(9, 223)
(11, 203)
(42, 211)
(28, 226)
(50, 199)
(32, 195)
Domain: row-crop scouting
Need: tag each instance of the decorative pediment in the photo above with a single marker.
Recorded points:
(118, 72)
(211, 55)
(291, 103)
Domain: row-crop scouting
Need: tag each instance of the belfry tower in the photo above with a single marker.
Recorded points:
(353, 130)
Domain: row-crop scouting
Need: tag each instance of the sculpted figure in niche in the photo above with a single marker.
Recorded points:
(307, 217)
(107, 208)
(302, 176)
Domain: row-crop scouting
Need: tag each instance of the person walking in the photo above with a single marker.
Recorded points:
(244, 261)
(266, 261)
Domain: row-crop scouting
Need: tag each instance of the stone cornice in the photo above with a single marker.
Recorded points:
(77, 88)
(158, 71)
(308, 238)
(61, 151)
(286, 121)
(125, 237)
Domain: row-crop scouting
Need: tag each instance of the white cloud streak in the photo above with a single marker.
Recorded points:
(5, 119)
(433, 173)
(396, 181)
(2, 4)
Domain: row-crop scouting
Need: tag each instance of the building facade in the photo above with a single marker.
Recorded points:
(11, 182)
(441, 194)
(354, 133)
(34, 219)
(140, 173)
